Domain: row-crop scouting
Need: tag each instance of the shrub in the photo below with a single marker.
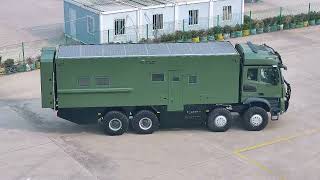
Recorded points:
(211, 31)
(167, 37)
(301, 17)
(287, 19)
(202, 33)
(29, 60)
(187, 35)
(217, 30)
(238, 27)
(247, 19)
(194, 34)
(227, 29)
(245, 27)
(178, 35)
(259, 24)
(8, 63)
(318, 15)
(312, 15)
(143, 40)
(267, 21)
(274, 20)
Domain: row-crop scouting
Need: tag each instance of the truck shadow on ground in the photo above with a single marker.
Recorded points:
(35, 119)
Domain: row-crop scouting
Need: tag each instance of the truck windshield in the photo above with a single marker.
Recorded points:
(269, 75)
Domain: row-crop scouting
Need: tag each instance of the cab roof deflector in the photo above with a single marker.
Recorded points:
(252, 47)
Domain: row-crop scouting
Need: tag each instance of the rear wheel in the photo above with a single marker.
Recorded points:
(115, 123)
(145, 122)
(219, 120)
(255, 119)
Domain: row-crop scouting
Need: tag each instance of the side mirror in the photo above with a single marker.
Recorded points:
(283, 66)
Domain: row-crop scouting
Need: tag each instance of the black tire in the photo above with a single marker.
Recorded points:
(257, 113)
(115, 123)
(213, 122)
(145, 122)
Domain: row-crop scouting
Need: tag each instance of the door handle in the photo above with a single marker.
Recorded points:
(261, 94)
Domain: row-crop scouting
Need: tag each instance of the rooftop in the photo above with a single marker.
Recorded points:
(115, 5)
(142, 50)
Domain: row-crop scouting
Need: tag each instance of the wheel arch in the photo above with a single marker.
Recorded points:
(259, 102)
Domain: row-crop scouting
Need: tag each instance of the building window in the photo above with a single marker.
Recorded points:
(157, 21)
(193, 79)
(102, 81)
(157, 77)
(227, 13)
(119, 26)
(193, 17)
(90, 24)
(83, 81)
(252, 74)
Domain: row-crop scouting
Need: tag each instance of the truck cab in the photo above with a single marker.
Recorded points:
(262, 80)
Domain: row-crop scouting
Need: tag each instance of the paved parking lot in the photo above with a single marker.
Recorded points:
(35, 144)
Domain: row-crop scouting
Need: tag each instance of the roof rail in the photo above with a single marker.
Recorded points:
(252, 47)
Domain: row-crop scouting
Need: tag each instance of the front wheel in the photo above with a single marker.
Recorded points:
(255, 119)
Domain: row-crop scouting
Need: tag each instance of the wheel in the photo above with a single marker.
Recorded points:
(145, 122)
(219, 120)
(115, 123)
(255, 119)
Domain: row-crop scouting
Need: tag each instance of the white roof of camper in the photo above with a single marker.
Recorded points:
(109, 6)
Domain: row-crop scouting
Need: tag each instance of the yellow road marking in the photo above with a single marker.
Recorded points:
(239, 152)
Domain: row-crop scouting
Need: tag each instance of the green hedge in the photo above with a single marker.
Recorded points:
(270, 24)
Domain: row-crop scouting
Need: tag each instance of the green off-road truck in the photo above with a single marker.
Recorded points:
(144, 85)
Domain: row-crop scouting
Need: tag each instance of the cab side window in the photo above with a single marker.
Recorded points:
(252, 74)
(268, 75)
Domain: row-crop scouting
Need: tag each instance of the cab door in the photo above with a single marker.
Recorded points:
(175, 88)
(259, 81)
(269, 78)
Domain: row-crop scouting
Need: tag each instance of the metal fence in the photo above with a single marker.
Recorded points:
(283, 11)
(52, 35)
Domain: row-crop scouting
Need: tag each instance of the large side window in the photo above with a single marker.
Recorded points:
(193, 17)
(157, 21)
(269, 75)
(227, 13)
(119, 27)
(252, 74)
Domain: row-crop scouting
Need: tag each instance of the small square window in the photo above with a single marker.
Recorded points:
(102, 81)
(157, 77)
(175, 78)
(252, 74)
(83, 81)
(193, 79)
